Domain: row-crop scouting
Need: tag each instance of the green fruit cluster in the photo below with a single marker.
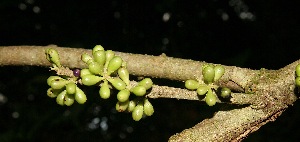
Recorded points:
(297, 80)
(210, 74)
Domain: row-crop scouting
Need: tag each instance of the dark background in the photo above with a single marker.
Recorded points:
(251, 33)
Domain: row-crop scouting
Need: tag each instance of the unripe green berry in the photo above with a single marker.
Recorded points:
(61, 98)
(123, 95)
(53, 93)
(51, 78)
(131, 106)
(80, 97)
(148, 108)
(219, 71)
(109, 55)
(71, 88)
(104, 91)
(210, 98)
(99, 57)
(58, 84)
(69, 99)
(138, 112)
(90, 79)
(84, 72)
(138, 90)
(124, 75)
(298, 70)
(96, 68)
(225, 92)
(122, 106)
(208, 74)
(146, 82)
(86, 58)
(98, 48)
(53, 56)
(297, 81)
(117, 83)
(202, 89)
(191, 84)
(114, 64)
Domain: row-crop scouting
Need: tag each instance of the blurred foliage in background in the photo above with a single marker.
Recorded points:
(252, 34)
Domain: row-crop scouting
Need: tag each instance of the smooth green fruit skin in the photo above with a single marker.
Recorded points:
(71, 88)
(117, 83)
(225, 92)
(99, 57)
(210, 98)
(298, 70)
(114, 64)
(69, 99)
(96, 68)
(138, 112)
(297, 81)
(61, 98)
(124, 75)
(104, 91)
(84, 72)
(191, 84)
(58, 84)
(90, 79)
(219, 71)
(53, 56)
(51, 78)
(122, 106)
(109, 55)
(148, 108)
(202, 90)
(86, 57)
(80, 97)
(146, 82)
(139, 90)
(53, 93)
(208, 74)
(131, 106)
(123, 95)
(98, 48)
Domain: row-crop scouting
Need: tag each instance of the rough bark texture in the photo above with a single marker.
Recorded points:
(267, 93)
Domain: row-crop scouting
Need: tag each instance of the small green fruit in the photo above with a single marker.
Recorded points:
(146, 82)
(104, 91)
(208, 74)
(117, 83)
(71, 88)
(51, 78)
(191, 84)
(96, 68)
(84, 72)
(98, 48)
(123, 95)
(53, 93)
(58, 84)
(148, 108)
(99, 57)
(219, 71)
(210, 98)
(138, 112)
(80, 97)
(131, 106)
(138, 90)
(109, 55)
(202, 89)
(90, 79)
(297, 81)
(298, 70)
(124, 75)
(122, 106)
(61, 98)
(86, 58)
(225, 92)
(69, 99)
(53, 56)
(114, 64)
